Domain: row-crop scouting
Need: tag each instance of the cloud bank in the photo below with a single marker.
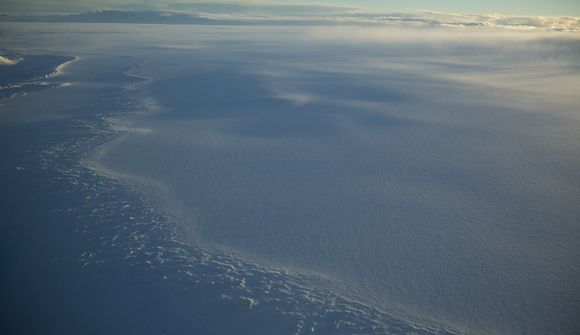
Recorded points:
(261, 13)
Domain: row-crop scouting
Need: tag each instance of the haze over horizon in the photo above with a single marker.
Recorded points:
(523, 8)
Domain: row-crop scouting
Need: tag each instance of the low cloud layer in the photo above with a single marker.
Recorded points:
(483, 21)
(309, 15)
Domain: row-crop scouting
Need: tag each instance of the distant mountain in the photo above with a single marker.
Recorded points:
(292, 15)
(261, 9)
(114, 16)
(158, 17)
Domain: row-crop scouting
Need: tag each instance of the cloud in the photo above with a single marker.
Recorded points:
(484, 21)
(270, 12)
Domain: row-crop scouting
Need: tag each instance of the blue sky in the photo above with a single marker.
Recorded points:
(512, 7)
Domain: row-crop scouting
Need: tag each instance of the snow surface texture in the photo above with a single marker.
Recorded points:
(432, 174)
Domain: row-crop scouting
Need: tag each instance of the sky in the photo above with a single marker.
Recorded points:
(513, 7)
